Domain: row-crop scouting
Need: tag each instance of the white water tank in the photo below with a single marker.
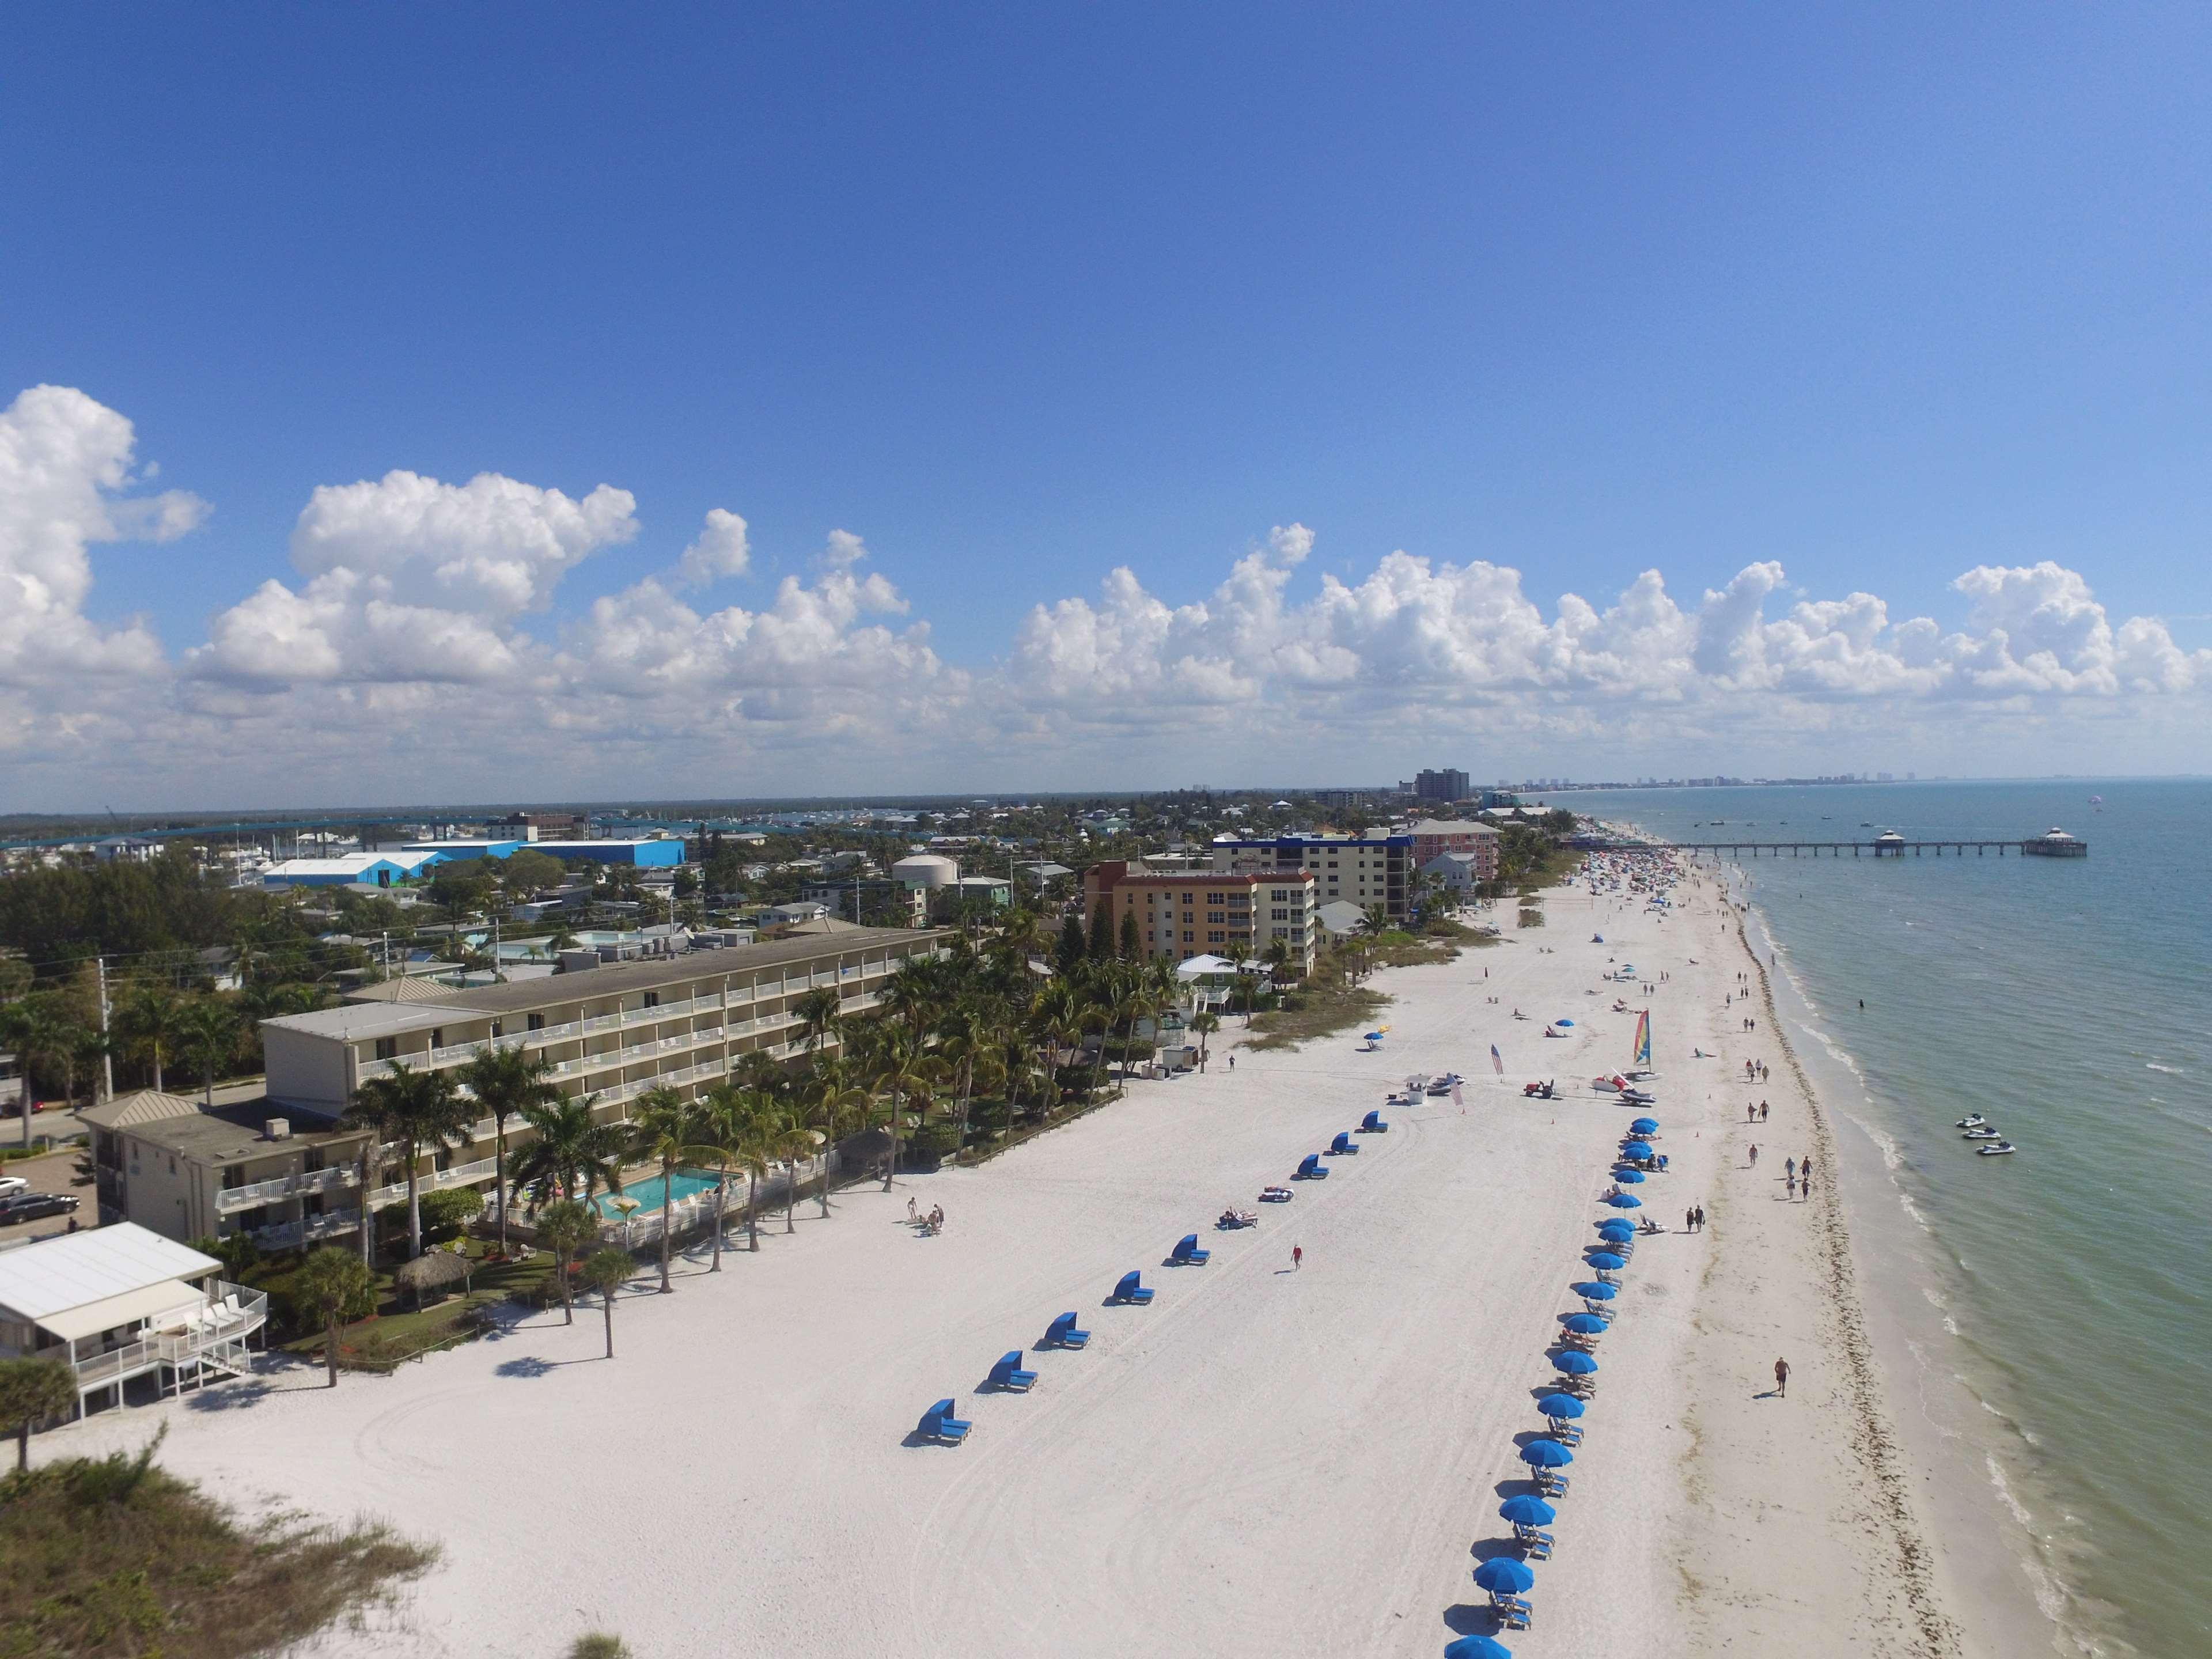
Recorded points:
(930, 870)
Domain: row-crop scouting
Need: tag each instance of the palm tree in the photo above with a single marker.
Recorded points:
(564, 1227)
(606, 1271)
(569, 1150)
(961, 1040)
(1247, 987)
(723, 1126)
(665, 1129)
(790, 1139)
(832, 1104)
(36, 1031)
(903, 1072)
(31, 1391)
(209, 1034)
(819, 1017)
(420, 1109)
(331, 1285)
(504, 1081)
(1205, 1024)
(154, 1019)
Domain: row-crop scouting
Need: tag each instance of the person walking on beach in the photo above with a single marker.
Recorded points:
(1754, 1157)
(1232, 1062)
(1781, 1379)
(1750, 1113)
(1792, 1180)
(1297, 1257)
(1789, 1167)
(1690, 1220)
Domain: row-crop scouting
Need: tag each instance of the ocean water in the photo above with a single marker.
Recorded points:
(2062, 1292)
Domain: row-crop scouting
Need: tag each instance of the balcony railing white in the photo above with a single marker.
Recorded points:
(212, 1329)
(282, 1187)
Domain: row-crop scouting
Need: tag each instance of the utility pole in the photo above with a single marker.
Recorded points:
(107, 1057)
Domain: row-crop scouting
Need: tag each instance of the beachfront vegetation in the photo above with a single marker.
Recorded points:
(331, 1286)
(607, 1270)
(108, 1557)
(31, 1391)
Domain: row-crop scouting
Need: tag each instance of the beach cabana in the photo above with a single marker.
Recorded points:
(939, 1423)
(1062, 1334)
(1372, 1124)
(1342, 1144)
(1008, 1374)
(1130, 1292)
(1186, 1253)
(1309, 1169)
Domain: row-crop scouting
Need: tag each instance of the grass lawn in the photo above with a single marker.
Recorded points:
(1315, 1010)
(399, 1329)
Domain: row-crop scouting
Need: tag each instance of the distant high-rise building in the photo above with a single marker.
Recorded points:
(1447, 784)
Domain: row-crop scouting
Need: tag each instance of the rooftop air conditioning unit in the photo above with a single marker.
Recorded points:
(277, 1128)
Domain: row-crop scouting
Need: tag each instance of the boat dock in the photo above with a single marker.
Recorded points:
(2056, 843)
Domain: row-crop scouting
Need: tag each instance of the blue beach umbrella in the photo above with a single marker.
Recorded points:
(1614, 1228)
(1623, 1201)
(1596, 1289)
(1628, 1176)
(1559, 1407)
(1563, 1022)
(1524, 1510)
(1645, 1125)
(1605, 1262)
(1546, 1454)
(1502, 1575)
(1584, 1324)
(1574, 1363)
(1636, 1149)
(1476, 1647)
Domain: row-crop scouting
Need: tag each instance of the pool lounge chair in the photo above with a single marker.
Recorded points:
(1372, 1124)
(1309, 1169)
(1129, 1290)
(939, 1423)
(1062, 1334)
(1186, 1253)
(1009, 1374)
(1343, 1143)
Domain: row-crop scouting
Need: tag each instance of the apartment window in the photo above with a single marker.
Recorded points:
(387, 1047)
(1280, 914)
(652, 999)
(437, 1036)
(1216, 915)
(1187, 938)
(537, 1022)
(499, 1028)
(1215, 937)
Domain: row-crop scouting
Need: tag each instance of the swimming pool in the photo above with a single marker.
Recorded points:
(647, 1190)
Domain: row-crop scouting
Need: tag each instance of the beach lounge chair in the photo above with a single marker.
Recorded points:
(1372, 1124)
(1512, 1612)
(1537, 1544)
(1130, 1291)
(1341, 1144)
(1008, 1373)
(939, 1423)
(1309, 1169)
(1062, 1334)
(1565, 1432)
(1186, 1253)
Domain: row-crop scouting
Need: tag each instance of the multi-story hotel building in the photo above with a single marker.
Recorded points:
(1182, 914)
(1366, 870)
(1433, 837)
(677, 1022)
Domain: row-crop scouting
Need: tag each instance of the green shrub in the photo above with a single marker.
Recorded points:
(445, 1213)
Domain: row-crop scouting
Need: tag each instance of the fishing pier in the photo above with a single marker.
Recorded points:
(2053, 844)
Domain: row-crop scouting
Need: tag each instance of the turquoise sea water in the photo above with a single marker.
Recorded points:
(2064, 1288)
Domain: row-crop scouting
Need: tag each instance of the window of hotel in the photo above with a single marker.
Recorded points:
(499, 1028)
(1282, 914)
(1187, 939)
(387, 1047)
(437, 1036)
(652, 999)
(537, 1022)
(1215, 937)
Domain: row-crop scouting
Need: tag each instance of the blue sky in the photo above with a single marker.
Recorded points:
(1881, 295)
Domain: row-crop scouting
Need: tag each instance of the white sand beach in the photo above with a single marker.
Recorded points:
(1262, 1461)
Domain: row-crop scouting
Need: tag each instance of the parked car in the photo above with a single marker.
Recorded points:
(11, 1185)
(35, 1207)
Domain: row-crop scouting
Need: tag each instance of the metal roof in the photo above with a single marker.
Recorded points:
(142, 1106)
(72, 1270)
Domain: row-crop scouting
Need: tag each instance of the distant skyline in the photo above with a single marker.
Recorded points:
(866, 402)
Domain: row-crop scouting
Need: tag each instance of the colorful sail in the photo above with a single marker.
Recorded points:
(1497, 1061)
(1642, 1055)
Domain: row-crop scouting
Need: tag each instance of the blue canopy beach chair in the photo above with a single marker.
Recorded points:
(1186, 1253)
(1341, 1144)
(1309, 1169)
(939, 1423)
(1062, 1334)
(1130, 1291)
(1372, 1124)
(1008, 1373)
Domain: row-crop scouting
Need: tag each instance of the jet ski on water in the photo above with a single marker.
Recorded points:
(1984, 1133)
(1971, 1120)
(2000, 1148)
